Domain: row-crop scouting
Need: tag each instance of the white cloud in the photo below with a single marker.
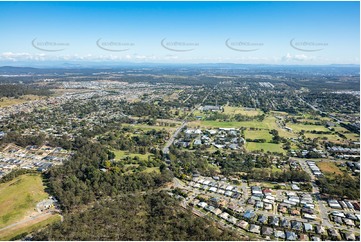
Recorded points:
(297, 58)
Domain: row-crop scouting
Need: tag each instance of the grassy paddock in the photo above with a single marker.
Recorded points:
(329, 167)
(19, 197)
(258, 134)
(252, 146)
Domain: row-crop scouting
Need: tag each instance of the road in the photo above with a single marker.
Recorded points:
(316, 193)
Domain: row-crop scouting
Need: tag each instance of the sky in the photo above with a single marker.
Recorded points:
(306, 33)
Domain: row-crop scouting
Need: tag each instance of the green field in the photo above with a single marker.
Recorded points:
(19, 197)
(120, 154)
(251, 146)
(258, 134)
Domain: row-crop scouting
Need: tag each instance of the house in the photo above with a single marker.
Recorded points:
(202, 204)
(348, 222)
(349, 236)
(224, 215)
(267, 192)
(262, 219)
(256, 191)
(259, 204)
(243, 224)
(232, 220)
(307, 210)
(197, 142)
(308, 227)
(233, 146)
(295, 212)
(268, 206)
(217, 211)
(279, 234)
(209, 208)
(351, 216)
(333, 234)
(290, 235)
(320, 229)
(337, 220)
(309, 216)
(267, 231)
(274, 221)
(285, 223)
(295, 187)
(248, 214)
(283, 210)
(296, 225)
(315, 238)
(334, 204)
(254, 229)
(304, 237)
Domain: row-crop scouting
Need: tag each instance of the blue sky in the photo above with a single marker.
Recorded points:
(192, 32)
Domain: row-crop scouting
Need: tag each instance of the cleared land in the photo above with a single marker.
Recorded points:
(243, 111)
(329, 167)
(4, 101)
(19, 197)
(120, 154)
(251, 146)
(306, 127)
(258, 134)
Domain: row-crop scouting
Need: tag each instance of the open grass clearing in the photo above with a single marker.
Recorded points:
(306, 127)
(329, 167)
(152, 169)
(121, 154)
(253, 146)
(5, 102)
(241, 110)
(330, 137)
(258, 134)
(18, 198)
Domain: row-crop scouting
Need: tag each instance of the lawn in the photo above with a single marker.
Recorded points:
(329, 167)
(252, 146)
(19, 197)
(120, 154)
(258, 134)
